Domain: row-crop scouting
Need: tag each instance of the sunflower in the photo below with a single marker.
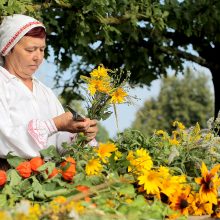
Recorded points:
(93, 167)
(169, 184)
(118, 96)
(216, 211)
(140, 161)
(208, 184)
(180, 200)
(197, 207)
(151, 180)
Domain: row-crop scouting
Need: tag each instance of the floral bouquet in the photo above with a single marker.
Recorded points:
(105, 87)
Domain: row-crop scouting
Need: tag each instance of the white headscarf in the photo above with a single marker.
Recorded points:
(12, 29)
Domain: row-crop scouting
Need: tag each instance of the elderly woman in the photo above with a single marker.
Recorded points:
(32, 118)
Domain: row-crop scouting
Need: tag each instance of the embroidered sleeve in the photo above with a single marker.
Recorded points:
(40, 130)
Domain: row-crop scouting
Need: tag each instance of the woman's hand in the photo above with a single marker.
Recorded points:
(91, 131)
(65, 122)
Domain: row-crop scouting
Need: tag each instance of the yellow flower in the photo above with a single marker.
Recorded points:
(128, 201)
(174, 141)
(169, 184)
(98, 85)
(100, 72)
(160, 132)
(151, 180)
(197, 207)
(105, 150)
(179, 125)
(164, 171)
(174, 216)
(195, 134)
(216, 211)
(35, 210)
(140, 161)
(118, 96)
(168, 187)
(93, 167)
(208, 136)
(118, 155)
(59, 199)
(179, 201)
(208, 184)
(4, 215)
(75, 206)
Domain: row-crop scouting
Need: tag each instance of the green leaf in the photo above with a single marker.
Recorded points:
(50, 152)
(49, 166)
(106, 115)
(3, 200)
(59, 192)
(127, 189)
(79, 178)
(139, 201)
(14, 178)
(14, 161)
(26, 189)
(49, 186)
(37, 188)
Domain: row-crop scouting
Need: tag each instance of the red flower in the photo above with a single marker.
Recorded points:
(36, 162)
(54, 173)
(24, 169)
(85, 190)
(82, 188)
(69, 168)
(3, 177)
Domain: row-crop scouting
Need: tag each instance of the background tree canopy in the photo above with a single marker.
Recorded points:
(146, 37)
(188, 100)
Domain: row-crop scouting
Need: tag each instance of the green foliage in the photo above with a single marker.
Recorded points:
(188, 100)
(143, 37)
(102, 135)
(116, 190)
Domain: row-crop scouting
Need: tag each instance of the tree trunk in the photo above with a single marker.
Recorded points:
(216, 83)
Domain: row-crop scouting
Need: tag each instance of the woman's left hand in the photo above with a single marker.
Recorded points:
(92, 131)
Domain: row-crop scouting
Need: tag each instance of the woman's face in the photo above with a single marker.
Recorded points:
(26, 56)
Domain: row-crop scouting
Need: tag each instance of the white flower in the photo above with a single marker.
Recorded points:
(210, 123)
(23, 207)
(74, 215)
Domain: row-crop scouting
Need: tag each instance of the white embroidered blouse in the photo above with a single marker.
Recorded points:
(26, 124)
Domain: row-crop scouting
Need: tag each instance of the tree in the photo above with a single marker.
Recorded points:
(144, 37)
(187, 100)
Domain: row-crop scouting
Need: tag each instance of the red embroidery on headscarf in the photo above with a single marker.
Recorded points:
(17, 34)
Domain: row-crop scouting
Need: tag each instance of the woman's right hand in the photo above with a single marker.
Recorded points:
(65, 122)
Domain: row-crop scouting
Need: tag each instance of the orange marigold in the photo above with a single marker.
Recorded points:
(3, 177)
(53, 173)
(24, 169)
(85, 190)
(69, 168)
(36, 162)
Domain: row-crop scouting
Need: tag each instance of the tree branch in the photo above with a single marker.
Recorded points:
(184, 55)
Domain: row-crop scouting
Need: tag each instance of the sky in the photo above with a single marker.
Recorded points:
(125, 113)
